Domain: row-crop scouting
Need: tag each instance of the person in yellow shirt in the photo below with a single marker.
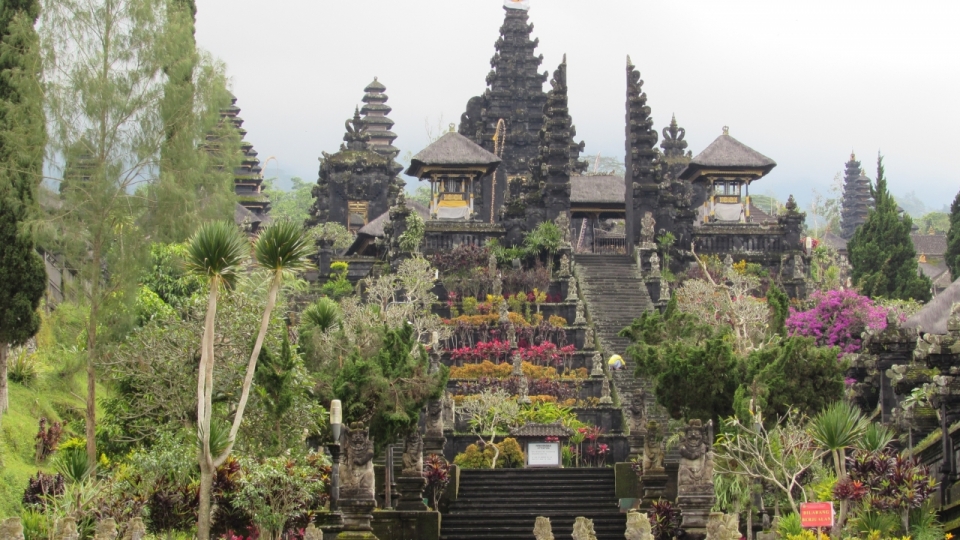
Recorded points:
(615, 363)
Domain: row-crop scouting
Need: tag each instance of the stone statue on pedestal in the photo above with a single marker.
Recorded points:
(312, 533)
(605, 398)
(106, 530)
(590, 338)
(356, 477)
(523, 388)
(563, 223)
(638, 527)
(723, 527)
(696, 460)
(434, 418)
(638, 412)
(597, 370)
(542, 530)
(504, 313)
(647, 228)
(654, 265)
(413, 454)
(581, 315)
(498, 287)
(564, 266)
(12, 528)
(572, 290)
(653, 448)
(511, 335)
(449, 411)
(492, 264)
(517, 362)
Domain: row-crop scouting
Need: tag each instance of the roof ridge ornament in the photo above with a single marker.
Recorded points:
(517, 4)
(726, 130)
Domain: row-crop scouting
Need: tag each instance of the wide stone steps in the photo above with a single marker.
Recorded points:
(503, 504)
(615, 295)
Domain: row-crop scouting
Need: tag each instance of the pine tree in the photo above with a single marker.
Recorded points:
(882, 255)
(953, 239)
(23, 277)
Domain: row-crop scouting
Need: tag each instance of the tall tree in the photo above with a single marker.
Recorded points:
(104, 88)
(22, 139)
(194, 183)
(953, 239)
(882, 255)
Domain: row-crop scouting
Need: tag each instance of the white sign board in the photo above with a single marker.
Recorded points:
(543, 454)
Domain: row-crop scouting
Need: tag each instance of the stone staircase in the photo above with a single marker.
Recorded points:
(503, 504)
(615, 295)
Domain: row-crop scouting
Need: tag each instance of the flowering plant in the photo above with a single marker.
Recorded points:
(837, 319)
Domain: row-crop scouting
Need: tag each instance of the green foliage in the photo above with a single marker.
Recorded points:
(282, 247)
(150, 306)
(293, 205)
(796, 374)
(789, 525)
(953, 238)
(694, 366)
(387, 391)
(167, 277)
(511, 456)
(545, 238)
(71, 462)
(22, 139)
(871, 521)
(924, 524)
(275, 490)
(934, 223)
(421, 195)
(881, 253)
(22, 367)
(875, 438)
(334, 233)
(338, 285)
(412, 237)
(216, 252)
(323, 315)
(779, 304)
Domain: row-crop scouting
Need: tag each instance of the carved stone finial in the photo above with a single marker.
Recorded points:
(434, 418)
(66, 529)
(517, 362)
(653, 448)
(136, 530)
(597, 370)
(791, 205)
(312, 533)
(12, 529)
(512, 335)
(654, 265)
(647, 228)
(542, 530)
(106, 530)
(638, 527)
(583, 529)
(504, 314)
(727, 264)
(523, 389)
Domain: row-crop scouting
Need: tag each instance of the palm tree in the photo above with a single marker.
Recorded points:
(280, 249)
(836, 428)
(215, 253)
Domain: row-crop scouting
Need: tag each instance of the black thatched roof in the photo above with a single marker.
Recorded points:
(932, 245)
(375, 226)
(452, 149)
(933, 317)
(555, 429)
(604, 189)
(728, 153)
(242, 215)
(834, 242)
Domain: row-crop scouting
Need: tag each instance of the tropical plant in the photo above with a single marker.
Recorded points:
(488, 413)
(274, 491)
(215, 253)
(665, 520)
(835, 429)
(338, 285)
(436, 470)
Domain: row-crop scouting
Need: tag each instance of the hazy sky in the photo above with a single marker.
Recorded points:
(801, 82)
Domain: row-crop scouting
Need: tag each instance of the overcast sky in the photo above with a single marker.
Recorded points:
(801, 82)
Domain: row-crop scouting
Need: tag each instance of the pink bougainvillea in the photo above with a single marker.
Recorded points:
(498, 351)
(837, 319)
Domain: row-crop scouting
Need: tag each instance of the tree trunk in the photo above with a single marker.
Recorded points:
(204, 521)
(251, 368)
(4, 398)
(749, 522)
(91, 413)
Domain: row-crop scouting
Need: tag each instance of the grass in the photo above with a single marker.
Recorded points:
(56, 396)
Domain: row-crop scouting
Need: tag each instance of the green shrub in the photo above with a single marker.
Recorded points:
(511, 456)
(338, 286)
(789, 525)
(22, 368)
(470, 306)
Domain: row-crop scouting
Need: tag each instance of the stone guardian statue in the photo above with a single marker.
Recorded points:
(356, 478)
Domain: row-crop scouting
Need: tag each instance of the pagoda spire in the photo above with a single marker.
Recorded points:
(514, 94)
(558, 153)
(378, 124)
(675, 153)
(857, 200)
(642, 162)
(248, 175)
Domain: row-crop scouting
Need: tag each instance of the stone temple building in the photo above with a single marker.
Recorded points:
(530, 172)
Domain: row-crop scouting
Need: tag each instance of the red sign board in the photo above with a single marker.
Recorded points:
(815, 515)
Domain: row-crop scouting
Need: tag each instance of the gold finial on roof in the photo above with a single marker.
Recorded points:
(453, 127)
(726, 130)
